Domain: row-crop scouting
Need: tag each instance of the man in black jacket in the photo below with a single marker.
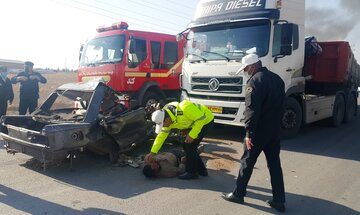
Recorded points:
(6, 91)
(29, 88)
(264, 106)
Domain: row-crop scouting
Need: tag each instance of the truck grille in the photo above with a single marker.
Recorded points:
(231, 111)
(219, 98)
(218, 85)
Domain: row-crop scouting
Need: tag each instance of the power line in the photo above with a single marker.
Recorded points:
(150, 5)
(89, 11)
(169, 9)
(108, 11)
(100, 14)
(177, 2)
(111, 5)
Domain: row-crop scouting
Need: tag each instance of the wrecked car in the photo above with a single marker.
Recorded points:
(58, 128)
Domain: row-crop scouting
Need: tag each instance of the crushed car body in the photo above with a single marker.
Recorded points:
(99, 122)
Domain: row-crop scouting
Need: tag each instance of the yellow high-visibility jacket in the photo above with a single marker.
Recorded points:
(184, 115)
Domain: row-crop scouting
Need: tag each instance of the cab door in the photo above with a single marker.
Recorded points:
(138, 66)
(287, 54)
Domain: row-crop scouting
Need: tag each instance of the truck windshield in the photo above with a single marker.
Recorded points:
(103, 50)
(228, 41)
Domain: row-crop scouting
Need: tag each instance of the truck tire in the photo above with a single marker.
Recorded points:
(338, 112)
(150, 98)
(350, 109)
(292, 118)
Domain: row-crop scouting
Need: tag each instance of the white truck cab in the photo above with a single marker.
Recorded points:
(224, 31)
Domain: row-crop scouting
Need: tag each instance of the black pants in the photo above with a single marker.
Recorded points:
(193, 159)
(248, 160)
(27, 103)
(3, 108)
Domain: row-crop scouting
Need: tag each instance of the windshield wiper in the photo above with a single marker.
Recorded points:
(228, 59)
(101, 62)
(236, 52)
(199, 56)
(109, 61)
(91, 64)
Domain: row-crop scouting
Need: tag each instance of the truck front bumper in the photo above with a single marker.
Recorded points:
(225, 112)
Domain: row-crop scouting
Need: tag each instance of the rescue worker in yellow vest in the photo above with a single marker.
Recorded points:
(185, 115)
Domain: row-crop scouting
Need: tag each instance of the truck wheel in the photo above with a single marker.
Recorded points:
(150, 98)
(350, 109)
(338, 112)
(292, 118)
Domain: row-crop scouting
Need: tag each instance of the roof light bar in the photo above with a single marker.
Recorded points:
(114, 26)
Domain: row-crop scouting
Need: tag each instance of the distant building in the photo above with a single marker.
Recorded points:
(12, 65)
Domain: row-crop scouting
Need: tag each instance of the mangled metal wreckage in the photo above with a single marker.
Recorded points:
(58, 128)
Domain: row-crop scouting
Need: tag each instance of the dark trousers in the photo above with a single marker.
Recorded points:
(27, 104)
(248, 160)
(193, 159)
(3, 108)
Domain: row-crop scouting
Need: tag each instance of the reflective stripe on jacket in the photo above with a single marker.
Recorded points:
(184, 115)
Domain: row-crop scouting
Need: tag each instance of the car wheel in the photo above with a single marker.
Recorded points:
(150, 98)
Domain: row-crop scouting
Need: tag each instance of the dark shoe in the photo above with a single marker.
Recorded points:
(188, 176)
(232, 198)
(277, 206)
(200, 149)
(203, 172)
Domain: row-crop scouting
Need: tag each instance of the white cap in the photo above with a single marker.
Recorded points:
(158, 117)
(248, 60)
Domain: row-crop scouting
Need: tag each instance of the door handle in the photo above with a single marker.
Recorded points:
(289, 70)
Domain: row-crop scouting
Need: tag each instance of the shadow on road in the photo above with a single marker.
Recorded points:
(226, 133)
(94, 173)
(316, 138)
(33, 205)
(320, 139)
(299, 204)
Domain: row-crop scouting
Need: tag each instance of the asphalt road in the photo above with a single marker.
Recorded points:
(321, 170)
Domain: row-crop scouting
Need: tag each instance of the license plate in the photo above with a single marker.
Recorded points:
(215, 109)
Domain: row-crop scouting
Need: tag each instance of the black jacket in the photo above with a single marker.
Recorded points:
(29, 88)
(264, 105)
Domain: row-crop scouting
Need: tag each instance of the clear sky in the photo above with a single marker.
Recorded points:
(50, 32)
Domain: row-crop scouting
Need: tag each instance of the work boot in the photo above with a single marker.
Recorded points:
(188, 176)
(277, 206)
(231, 197)
(200, 149)
(203, 172)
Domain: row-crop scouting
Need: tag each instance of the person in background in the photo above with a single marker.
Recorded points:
(197, 119)
(264, 107)
(6, 91)
(29, 88)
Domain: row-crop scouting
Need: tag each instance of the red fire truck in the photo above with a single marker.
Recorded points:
(144, 65)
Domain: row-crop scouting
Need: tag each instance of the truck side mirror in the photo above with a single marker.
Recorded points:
(179, 37)
(283, 47)
(81, 51)
(286, 39)
(286, 50)
(132, 46)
